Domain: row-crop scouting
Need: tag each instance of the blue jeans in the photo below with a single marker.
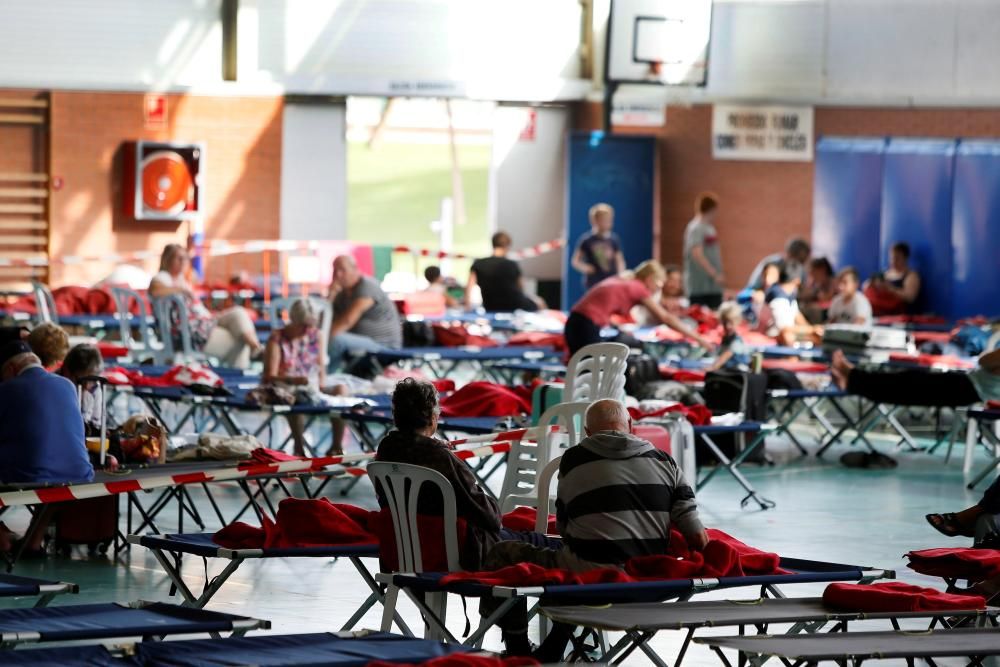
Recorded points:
(348, 344)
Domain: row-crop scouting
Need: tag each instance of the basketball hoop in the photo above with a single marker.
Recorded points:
(655, 69)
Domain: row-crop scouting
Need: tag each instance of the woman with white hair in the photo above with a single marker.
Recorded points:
(295, 356)
(230, 335)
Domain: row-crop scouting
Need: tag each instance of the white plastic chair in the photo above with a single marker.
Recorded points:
(401, 484)
(527, 460)
(596, 371)
(146, 343)
(45, 303)
(325, 309)
(172, 311)
(545, 500)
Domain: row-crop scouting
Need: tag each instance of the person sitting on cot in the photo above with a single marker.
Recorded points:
(780, 316)
(895, 291)
(415, 411)
(50, 342)
(733, 351)
(612, 473)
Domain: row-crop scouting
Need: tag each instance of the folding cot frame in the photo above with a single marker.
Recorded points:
(442, 361)
(640, 622)
(980, 418)
(201, 544)
(146, 619)
(13, 586)
(854, 648)
(328, 648)
(420, 586)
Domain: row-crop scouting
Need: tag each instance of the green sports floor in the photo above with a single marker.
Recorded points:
(824, 511)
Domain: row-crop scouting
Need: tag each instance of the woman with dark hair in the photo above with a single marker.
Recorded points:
(895, 291)
(230, 335)
(81, 362)
(415, 413)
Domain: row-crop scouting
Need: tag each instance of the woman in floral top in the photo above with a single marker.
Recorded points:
(296, 356)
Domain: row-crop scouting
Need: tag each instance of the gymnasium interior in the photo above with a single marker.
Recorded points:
(466, 332)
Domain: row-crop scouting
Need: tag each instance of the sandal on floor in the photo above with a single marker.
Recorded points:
(948, 525)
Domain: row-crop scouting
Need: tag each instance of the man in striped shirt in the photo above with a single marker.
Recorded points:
(617, 498)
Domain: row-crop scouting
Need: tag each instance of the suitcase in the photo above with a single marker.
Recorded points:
(92, 522)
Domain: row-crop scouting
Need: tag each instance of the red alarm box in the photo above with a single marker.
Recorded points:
(162, 181)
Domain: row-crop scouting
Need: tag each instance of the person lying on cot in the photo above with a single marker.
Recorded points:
(918, 387)
(980, 521)
(617, 296)
(611, 474)
(780, 316)
(295, 355)
(733, 351)
(850, 306)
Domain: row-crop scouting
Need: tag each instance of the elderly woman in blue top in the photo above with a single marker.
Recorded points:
(41, 428)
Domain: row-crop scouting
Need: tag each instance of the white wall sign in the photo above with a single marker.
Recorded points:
(762, 133)
(638, 113)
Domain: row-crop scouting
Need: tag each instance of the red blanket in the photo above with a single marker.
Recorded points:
(725, 556)
(456, 335)
(463, 660)
(538, 339)
(962, 563)
(896, 596)
(126, 376)
(698, 415)
(75, 300)
(265, 455)
(486, 399)
(684, 376)
(523, 519)
(301, 523)
(795, 366)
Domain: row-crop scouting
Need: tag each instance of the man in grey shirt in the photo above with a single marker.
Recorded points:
(702, 257)
(364, 318)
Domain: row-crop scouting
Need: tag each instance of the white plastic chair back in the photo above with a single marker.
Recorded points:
(279, 307)
(146, 343)
(401, 484)
(170, 312)
(596, 371)
(45, 303)
(546, 499)
(527, 459)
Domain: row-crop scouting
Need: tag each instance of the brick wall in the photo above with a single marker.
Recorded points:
(763, 203)
(242, 176)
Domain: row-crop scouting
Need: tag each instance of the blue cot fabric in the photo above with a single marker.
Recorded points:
(41, 430)
(79, 656)
(299, 650)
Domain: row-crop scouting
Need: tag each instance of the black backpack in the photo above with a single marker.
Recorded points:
(640, 370)
(734, 391)
(417, 333)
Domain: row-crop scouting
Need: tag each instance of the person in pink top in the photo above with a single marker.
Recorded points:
(617, 296)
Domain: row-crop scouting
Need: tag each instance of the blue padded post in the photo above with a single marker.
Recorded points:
(916, 208)
(847, 202)
(975, 230)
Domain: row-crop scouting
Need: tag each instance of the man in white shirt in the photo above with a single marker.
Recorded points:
(849, 306)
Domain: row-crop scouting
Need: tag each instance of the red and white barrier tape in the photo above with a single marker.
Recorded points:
(243, 471)
(219, 248)
(523, 253)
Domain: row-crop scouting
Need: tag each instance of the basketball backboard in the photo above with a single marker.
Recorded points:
(659, 42)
